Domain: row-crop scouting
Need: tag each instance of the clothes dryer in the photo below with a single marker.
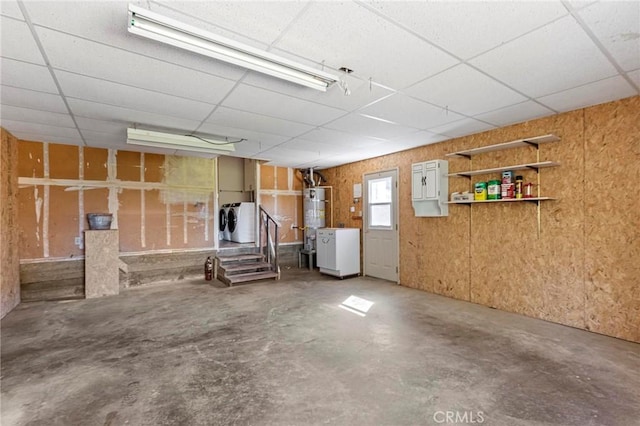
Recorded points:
(241, 222)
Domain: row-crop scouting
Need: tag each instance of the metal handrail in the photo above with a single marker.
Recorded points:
(268, 247)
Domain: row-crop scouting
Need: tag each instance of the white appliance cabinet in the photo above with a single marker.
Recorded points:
(338, 251)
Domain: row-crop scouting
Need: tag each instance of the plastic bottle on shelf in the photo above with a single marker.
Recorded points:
(518, 186)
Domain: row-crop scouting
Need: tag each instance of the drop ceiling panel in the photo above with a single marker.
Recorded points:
(106, 22)
(362, 93)
(40, 117)
(49, 138)
(420, 138)
(469, 28)
(116, 139)
(17, 42)
(264, 140)
(304, 145)
(82, 108)
(410, 112)
(517, 113)
(463, 127)
(342, 139)
(347, 34)
(258, 20)
(129, 68)
(32, 99)
(364, 126)
(617, 26)
(100, 125)
(635, 77)
(10, 8)
(465, 90)
(590, 94)
(105, 92)
(45, 129)
(556, 57)
(256, 122)
(288, 155)
(264, 102)
(26, 75)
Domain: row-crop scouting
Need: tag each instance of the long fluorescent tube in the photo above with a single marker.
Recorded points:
(166, 30)
(179, 142)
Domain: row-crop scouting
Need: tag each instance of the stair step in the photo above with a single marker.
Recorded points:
(252, 276)
(240, 258)
(245, 266)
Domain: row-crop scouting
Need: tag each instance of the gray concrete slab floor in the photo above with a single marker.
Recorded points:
(285, 353)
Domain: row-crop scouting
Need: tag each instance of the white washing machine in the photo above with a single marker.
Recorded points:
(223, 223)
(241, 222)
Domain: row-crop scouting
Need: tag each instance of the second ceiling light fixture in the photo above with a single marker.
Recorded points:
(166, 30)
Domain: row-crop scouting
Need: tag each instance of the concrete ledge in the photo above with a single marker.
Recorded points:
(64, 279)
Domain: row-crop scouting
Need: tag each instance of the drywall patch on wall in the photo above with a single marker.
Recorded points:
(280, 194)
(45, 213)
(112, 172)
(95, 177)
(188, 179)
(9, 257)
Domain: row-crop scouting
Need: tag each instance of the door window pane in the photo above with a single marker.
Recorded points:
(380, 190)
(380, 215)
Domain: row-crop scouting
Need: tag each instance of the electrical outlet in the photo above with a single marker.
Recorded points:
(77, 241)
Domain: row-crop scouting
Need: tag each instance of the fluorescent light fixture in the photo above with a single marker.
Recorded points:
(166, 30)
(178, 142)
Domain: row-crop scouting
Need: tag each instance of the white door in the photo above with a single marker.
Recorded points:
(381, 225)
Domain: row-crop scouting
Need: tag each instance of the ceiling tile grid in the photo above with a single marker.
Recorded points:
(423, 72)
(556, 57)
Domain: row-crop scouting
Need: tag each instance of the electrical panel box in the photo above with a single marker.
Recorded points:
(430, 188)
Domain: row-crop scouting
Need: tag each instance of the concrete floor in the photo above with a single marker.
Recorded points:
(284, 353)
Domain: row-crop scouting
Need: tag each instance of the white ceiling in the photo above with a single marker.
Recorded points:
(424, 72)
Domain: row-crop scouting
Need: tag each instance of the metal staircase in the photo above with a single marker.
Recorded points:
(261, 265)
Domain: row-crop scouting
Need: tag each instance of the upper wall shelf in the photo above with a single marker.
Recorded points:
(530, 166)
(506, 145)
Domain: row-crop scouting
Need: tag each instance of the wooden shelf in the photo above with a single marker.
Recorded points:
(506, 200)
(538, 140)
(532, 166)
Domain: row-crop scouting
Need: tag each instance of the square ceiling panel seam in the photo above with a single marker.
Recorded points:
(457, 57)
(27, 20)
(574, 13)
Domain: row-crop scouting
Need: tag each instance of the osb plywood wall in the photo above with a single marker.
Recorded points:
(582, 270)
(159, 202)
(9, 258)
(280, 194)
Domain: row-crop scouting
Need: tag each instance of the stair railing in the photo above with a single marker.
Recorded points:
(269, 239)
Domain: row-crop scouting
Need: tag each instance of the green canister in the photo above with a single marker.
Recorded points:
(480, 193)
(493, 190)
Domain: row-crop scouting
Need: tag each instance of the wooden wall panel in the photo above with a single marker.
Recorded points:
(95, 163)
(155, 221)
(9, 255)
(153, 167)
(612, 212)
(30, 159)
(30, 222)
(63, 161)
(267, 177)
(492, 254)
(281, 196)
(128, 166)
(96, 200)
(129, 220)
(63, 222)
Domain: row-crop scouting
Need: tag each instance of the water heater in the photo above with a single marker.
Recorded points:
(313, 205)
